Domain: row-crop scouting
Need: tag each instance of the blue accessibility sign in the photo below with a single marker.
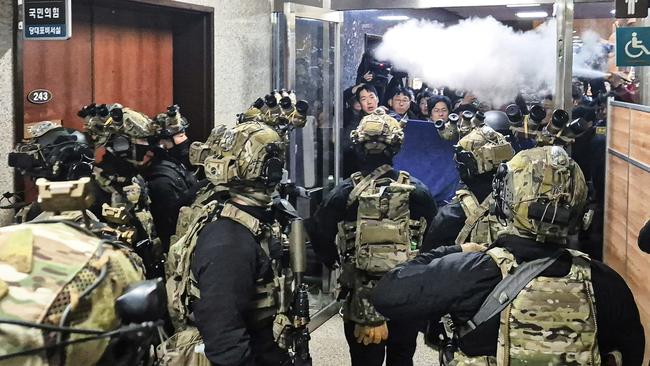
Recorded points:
(632, 46)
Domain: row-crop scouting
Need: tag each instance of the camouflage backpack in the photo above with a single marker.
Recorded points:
(57, 274)
(552, 321)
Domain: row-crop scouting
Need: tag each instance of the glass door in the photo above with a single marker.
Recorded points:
(306, 58)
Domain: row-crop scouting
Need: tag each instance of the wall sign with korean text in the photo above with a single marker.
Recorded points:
(39, 96)
(47, 19)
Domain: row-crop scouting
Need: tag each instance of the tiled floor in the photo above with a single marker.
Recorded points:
(328, 347)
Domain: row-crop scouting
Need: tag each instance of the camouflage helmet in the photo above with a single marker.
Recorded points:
(481, 151)
(124, 132)
(249, 154)
(377, 133)
(170, 123)
(541, 192)
(104, 121)
(199, 151)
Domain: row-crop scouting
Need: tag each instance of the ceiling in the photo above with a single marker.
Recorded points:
(582, 11)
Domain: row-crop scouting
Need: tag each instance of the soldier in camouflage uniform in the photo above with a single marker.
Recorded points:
(466, 218)
(123, 134)
(171, 184)
(52, 152)
(573, 311)
(228, 289)
(59, 285)
(377, 217)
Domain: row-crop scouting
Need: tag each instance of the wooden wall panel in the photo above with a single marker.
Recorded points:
(133, 59)
(62, 67)
(640, 137)
(614, 244)
(638, 262)
(620, 130)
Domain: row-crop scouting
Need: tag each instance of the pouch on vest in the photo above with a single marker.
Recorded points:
(383, 237)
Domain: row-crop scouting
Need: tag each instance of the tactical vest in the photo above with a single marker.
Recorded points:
(382, 237)
(182, 288)
(552, 321)
(129, 202)
(57, 274)
(480, 226)
(187, 214)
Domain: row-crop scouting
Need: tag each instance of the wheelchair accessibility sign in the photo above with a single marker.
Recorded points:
(633, 46)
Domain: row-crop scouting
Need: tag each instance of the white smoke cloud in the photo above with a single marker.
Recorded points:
(483, 55)
(589, 58)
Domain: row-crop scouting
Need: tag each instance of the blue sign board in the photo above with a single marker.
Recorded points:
(430, 159)
(47, 19)
(633, 46)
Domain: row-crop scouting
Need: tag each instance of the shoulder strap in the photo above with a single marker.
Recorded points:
(365, 182)
(506, 291)
(467, 201)
(473, 217)
(247, 220)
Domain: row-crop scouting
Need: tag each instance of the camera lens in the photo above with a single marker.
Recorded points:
(453, 118)
(467, 115)
(440, 124)
(480, 116)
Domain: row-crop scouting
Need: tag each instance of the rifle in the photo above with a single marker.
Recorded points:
(299, 309)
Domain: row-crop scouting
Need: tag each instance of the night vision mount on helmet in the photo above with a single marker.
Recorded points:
(541, 193)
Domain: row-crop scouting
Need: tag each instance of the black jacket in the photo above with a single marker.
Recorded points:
(445, 227)
(323, 226)
(171, 187)
(447, 281)
(227, 262)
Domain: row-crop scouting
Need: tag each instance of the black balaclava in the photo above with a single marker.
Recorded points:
(181, 152)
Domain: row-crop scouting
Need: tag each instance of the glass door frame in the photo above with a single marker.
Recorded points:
(284, 66)
(283, 73)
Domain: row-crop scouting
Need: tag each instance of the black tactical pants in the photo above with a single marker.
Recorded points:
(398, 349)
(266, 351)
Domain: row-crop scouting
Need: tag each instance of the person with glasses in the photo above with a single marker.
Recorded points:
(439, 107)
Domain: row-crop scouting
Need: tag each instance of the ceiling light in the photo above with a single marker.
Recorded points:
(393, 17)
(532, 14)
(520, 5)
